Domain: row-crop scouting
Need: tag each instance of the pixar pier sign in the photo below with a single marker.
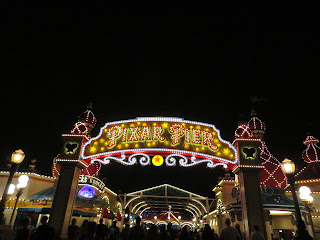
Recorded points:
(172, 140)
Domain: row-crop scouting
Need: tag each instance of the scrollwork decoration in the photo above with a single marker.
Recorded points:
(144, 160)
(171, 160)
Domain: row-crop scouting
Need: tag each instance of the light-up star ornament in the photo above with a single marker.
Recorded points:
(157, 160)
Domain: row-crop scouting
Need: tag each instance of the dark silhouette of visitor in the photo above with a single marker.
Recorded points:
(102, 230)
(72, 230)
(216, 237)
(163, 234)
(242, 236)
(152, 234)
(44, 231)
(228, 232)
(184, 234)
(137, 232)
(24, 232)
(125, 232)
(207, 233)
(256, 235)
(91, 231)
(83, 230)
(114, 232)
(173, 232)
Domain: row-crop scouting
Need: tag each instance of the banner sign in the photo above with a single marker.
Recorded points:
(133, 141)
(90, 180)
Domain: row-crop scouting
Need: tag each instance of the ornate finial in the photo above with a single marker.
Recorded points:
(32, 166)
(253, 112)
(90, 106)
(254, 102)
(242, 120)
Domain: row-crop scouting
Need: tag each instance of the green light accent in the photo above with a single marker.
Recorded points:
(249, 152)
(71, 147)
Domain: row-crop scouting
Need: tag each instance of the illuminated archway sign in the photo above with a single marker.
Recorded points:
(178, 141)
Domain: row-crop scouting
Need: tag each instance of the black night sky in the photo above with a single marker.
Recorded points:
(199, 61)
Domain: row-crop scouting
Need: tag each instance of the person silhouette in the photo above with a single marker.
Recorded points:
(229, 232)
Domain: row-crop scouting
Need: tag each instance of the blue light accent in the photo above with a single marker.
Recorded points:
(86, 192)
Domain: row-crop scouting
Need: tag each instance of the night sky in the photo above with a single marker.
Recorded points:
(199, 61)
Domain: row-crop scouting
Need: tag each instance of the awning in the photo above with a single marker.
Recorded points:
(46, 194)
(94, 200)
(37, 208)
(41, 209)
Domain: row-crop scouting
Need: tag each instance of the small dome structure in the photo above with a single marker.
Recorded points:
(243, 131)
(312, 152)
(257, 127)
(88, 117)
(256, 124)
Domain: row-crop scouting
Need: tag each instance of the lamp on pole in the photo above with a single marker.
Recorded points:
(289, 167)
(307, 199)
(23, 182)
(16, 158)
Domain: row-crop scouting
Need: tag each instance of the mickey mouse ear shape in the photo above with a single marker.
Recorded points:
(249, 152)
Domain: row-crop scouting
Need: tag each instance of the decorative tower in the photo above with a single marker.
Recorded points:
(256, 166)
(68, 166)
(248, 170)
(272, 173)
(84, 125)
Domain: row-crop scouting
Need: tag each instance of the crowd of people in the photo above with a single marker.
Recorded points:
(27, 232)
(89, 230)
(93, 231)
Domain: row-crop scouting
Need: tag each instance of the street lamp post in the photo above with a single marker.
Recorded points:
(307, 199)
(23, 182)
(288, 167)
(16, 158)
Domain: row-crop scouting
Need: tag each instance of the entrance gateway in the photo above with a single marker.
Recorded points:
(156, 141)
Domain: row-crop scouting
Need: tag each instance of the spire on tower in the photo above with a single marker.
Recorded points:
(86, 121)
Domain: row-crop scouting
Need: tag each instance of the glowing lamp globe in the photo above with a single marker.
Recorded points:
(288, 166)
(310, 198)
(23, 179)
(11, 189)
(305, 194)
(17, 156)
(304, 190)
